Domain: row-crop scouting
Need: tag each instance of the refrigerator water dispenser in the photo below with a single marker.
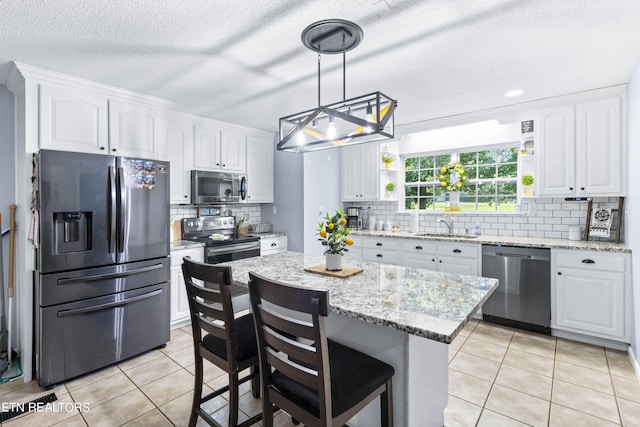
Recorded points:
(72, 231)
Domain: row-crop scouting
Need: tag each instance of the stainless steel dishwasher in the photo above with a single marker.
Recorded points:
(523, 296)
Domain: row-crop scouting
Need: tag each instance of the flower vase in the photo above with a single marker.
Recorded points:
(333, 262)
(453, 204)
(528, 191)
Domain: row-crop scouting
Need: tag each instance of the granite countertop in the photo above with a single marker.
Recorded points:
(185, 244)
(420, 302)
(532, 242)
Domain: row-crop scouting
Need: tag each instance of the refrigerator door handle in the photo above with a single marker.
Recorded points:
(105, 306)
(123, 211)
(109, 275)
(112, 209)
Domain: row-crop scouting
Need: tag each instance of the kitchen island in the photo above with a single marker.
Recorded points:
(403, 316)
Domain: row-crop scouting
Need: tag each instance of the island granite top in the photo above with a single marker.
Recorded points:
(420, 302)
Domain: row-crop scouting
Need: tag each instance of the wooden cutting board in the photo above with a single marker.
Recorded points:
(343, 274)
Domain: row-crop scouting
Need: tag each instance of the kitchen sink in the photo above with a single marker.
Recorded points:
(450, 235)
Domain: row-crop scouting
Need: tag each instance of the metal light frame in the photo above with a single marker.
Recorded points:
(366, 118)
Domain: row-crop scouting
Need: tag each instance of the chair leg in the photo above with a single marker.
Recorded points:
(233, 399)
(197, 392)
(267, 413)
(255, 382)
(386, 406)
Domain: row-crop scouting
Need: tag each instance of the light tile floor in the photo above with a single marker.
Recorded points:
(505, 377)
(497, 377)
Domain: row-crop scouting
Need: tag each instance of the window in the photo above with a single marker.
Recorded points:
(492, 180)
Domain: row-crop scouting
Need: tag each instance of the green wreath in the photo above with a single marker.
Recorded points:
(446, 175)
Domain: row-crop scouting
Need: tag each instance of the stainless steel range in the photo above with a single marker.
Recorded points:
(218, 233)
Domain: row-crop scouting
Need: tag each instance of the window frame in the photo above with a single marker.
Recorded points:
(454, 156)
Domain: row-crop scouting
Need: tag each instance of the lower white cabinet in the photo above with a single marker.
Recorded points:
(419, 254)
(354, 252)
(459, 258)
(590, 293)
(380, 249)
(273, 245)
(179, 301)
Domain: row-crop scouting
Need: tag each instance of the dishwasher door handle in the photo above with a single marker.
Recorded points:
(502, 254)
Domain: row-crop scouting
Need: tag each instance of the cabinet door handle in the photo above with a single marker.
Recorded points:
(274, 244)
(581, 188)
(440, 261)
(559, 273)
(224, 166)
(571, 188)
(419, 248)
(113, 149)
(433, 260)
(588, 261)
(379, 255)
(457, 251)
(186, 197)
(378, 244)
(102, 148)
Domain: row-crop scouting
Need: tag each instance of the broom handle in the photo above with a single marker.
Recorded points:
(12, 241)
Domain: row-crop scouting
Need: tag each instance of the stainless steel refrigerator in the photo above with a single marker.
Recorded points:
(102, 280)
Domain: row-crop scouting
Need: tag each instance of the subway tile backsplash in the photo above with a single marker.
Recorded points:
(180, 211)
(544, 217)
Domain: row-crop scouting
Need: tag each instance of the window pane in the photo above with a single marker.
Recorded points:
(411, 191)
(509, 155)
(484, 189)
(486, 157)
(411, 203)
(507, 203)
(468, 158)
(426, 203)
(427, 176)
(411, 176)
(443, 160)
(508, 171)
(471, 172)
(486, 172)
(486, 203)
(507, 188)
(426, 191)
(426, 162)
(411, 163)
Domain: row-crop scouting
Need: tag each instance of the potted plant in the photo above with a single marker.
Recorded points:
(333, 234)
(387, 160)
(389, 189)
(527, 181)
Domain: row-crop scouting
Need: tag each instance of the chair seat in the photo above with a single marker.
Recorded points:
(354, 375)
(246, 340)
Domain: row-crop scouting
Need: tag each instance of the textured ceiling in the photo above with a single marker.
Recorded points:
(244, 62)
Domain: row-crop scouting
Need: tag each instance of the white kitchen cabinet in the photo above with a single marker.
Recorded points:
(273, 245)
(590, 293)
(135, 130)
(179, 139)
(380, 249)
(73, 120)
(419, 253)
(580, 150)
(259, 170)
(360, 181)
(219, 149)
(179, 302)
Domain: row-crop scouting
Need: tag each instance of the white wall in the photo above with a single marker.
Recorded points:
(7, 177)
(288, 199)
(633, 204)
(322, 192)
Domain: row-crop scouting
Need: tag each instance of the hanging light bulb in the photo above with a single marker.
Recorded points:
(369, 118)
(300, 139)
(331, 130)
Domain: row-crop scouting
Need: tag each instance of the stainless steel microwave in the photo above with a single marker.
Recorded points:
(217, 187)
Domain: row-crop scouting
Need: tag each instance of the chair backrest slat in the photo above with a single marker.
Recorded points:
(301, 352)
(214, 329)
(301, 374)
(290, 325)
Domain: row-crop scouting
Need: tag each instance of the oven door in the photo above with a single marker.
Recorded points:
(225, 253)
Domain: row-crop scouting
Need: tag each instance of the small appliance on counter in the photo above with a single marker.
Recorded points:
(354, 218)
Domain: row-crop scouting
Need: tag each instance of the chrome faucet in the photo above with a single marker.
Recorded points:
(448, 221)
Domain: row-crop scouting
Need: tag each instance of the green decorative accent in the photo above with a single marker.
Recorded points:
(527, 180)
(390, 187)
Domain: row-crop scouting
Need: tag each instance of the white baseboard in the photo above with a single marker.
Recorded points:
(616, 345)
(635, 362)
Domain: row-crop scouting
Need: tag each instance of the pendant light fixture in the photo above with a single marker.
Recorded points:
(366, 118)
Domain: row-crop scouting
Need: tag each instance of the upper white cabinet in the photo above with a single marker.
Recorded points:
(219, 150)
(72, 120)
(360, 172)
(135, 130)
(179, 140)
(259, 170)
(590, 293)
(580, 149)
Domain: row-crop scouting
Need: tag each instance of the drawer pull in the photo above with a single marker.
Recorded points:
(588, 261)
(559, 273)
(419, 248)
(378, 244)
(433, 260)
(457, 251)
(440, 261)
(379, 255)
(274, 244)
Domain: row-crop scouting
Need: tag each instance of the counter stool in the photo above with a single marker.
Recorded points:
(315, 380)
(230, 343)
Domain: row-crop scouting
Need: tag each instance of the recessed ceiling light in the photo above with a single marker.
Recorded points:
(515, 92)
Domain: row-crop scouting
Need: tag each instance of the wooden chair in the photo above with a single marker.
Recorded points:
(230, 343)
(317, 381)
